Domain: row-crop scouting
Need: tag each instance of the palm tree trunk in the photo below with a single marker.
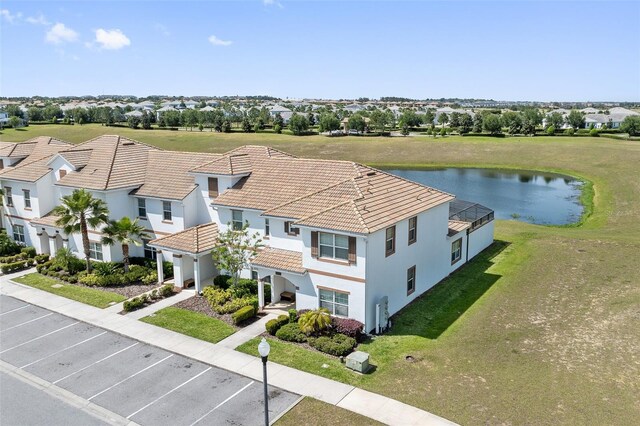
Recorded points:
(125, 257)
(85, 241)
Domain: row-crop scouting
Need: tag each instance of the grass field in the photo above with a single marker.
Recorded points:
(191, 323)
(551, 333)
(311, 412)
(90, 296)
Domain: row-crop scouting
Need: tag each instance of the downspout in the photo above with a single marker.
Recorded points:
(466, 261)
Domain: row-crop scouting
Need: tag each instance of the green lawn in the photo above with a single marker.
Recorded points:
(311, 412)
(90, 296)
(191, 323)
(544, 330)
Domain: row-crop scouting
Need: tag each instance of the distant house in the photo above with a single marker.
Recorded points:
(164, 109)
(284, 112)
(613, 120)
(134, 113)
(4, 118)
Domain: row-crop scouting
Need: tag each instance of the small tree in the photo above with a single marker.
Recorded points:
(356, 121)
(14, 122)
(631, 125)
(246, 125)
(298, 124)
(551, 130)
(278, 120)
(315, 321)
(125, 232)
(466, 124)
(443, 132)
(133, 122)
(236, 248)
(575, 119)
(477, 123)
(492, 124)
(328, 122)
(443, 119)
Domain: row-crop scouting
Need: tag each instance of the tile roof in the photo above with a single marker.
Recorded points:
(40, 145)
(167, 173)
(77, 158)
(195, 240)
(284, 260)
(35, 165)
(227, 165)
(456, 226)
(48, 219)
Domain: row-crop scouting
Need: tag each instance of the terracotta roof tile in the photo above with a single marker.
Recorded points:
(48, 219)
(456, 226)
(34, 166)
(195, 240)
(284, 260)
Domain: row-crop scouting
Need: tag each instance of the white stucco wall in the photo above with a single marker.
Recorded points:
(481, 238)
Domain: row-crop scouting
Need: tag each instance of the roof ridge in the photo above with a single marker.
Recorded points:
(113, 160)
(359, 215)
(310, 194)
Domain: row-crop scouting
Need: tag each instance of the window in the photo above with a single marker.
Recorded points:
(411, 280)
(254, 275)
(336, 302)
(290, 229)
(9, 196)
(413, 229)
(27, 198)
(142, 207)
(390, 242)
(62, 173)
(166, 211)
(149, 252)
(334, 246)
(95, 250)
(213, 187)
(236, 219)
(1, 164)
(18, 233)
(267, 231)
(456, 251)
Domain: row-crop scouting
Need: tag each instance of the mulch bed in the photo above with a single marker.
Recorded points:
(199, 304)
(127, 291)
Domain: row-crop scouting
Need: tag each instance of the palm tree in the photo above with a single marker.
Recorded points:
(77, 213)
(125, 232)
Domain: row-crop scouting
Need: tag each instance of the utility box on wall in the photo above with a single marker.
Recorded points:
(358, 361)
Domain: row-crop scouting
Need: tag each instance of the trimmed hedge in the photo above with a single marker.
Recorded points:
(222, 281)
(133, 304)
(8, 268)
(243, 314)
(166, 290)
(274, 325)
(291, 332)
(348, 326)
(337, 345)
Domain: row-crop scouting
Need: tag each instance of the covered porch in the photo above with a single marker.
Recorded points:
(50, 237)
(190, 252)
(283, 270)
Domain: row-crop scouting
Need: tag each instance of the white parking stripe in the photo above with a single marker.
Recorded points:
(62, 350)
(172, 390)
(130, 377)
(13, 310)
(40, 337)
(26, 322)
(98, 361)
(222, 403)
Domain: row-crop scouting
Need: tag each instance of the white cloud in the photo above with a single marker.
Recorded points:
(8, 16)
(272, 3)
(162, 29)
(219, 42)
(111, 39)
(60, 33)
(37, 20)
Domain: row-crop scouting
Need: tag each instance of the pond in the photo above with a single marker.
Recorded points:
(534, 197)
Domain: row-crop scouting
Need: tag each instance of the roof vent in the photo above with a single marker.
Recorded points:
(371, 173)
(127, 143)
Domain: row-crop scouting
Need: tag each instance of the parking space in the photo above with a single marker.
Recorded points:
(143, 383)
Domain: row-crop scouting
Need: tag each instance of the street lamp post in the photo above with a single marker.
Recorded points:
(263, 349)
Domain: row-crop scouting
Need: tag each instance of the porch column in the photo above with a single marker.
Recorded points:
(178, 275)
(273, 289)
(196, 275)
(159, 266)
(260, 294)
(65, 242)
(52, 245)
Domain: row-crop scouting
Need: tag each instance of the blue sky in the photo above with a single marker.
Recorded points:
(506, 50)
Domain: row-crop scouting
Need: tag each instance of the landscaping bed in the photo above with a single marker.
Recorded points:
(200, 305)
(147, 299)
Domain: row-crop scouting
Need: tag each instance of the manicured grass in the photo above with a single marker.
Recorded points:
(545, 331)
(191, 323)
(90, 296)
(313, 412)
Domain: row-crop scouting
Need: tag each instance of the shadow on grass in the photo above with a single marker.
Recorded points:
(439, 307)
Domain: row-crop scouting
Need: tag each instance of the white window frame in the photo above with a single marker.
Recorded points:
(165, 211)
(18, 236)
(142, 208)
(95, 251)
(332, 247)
(267, 228)
(8, 196)
(456, 253)
(27, 198)
(332, 304)
(411, 280)
(236, 223)
(413, 229)
(389, 251)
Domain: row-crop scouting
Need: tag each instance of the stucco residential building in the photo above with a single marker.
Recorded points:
(337, 234)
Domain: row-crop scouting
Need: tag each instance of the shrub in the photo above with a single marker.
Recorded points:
(133, 304)
(551, 130)
(154, 294)
(90, 280)
(13, 259)
(216, 296)
(243, 314)
(315, 321)
(151, 278)
(222, 281)
(244, 287)
(337, 345)
(275, 324)
(594, 132)
(569, 131)
(293, 315)
(8, 247)
(41, 258)
(66, 260)
(102, 269)
(348, 326)
(291, 333)
(8, 268)
(300, 313)
(166, 290)
(29, 251)
(73, 279)
(234, 305)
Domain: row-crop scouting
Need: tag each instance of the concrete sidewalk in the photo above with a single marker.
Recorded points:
(247, 333)
(377, 407)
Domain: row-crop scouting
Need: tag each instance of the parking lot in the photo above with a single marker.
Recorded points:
(147, 385)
